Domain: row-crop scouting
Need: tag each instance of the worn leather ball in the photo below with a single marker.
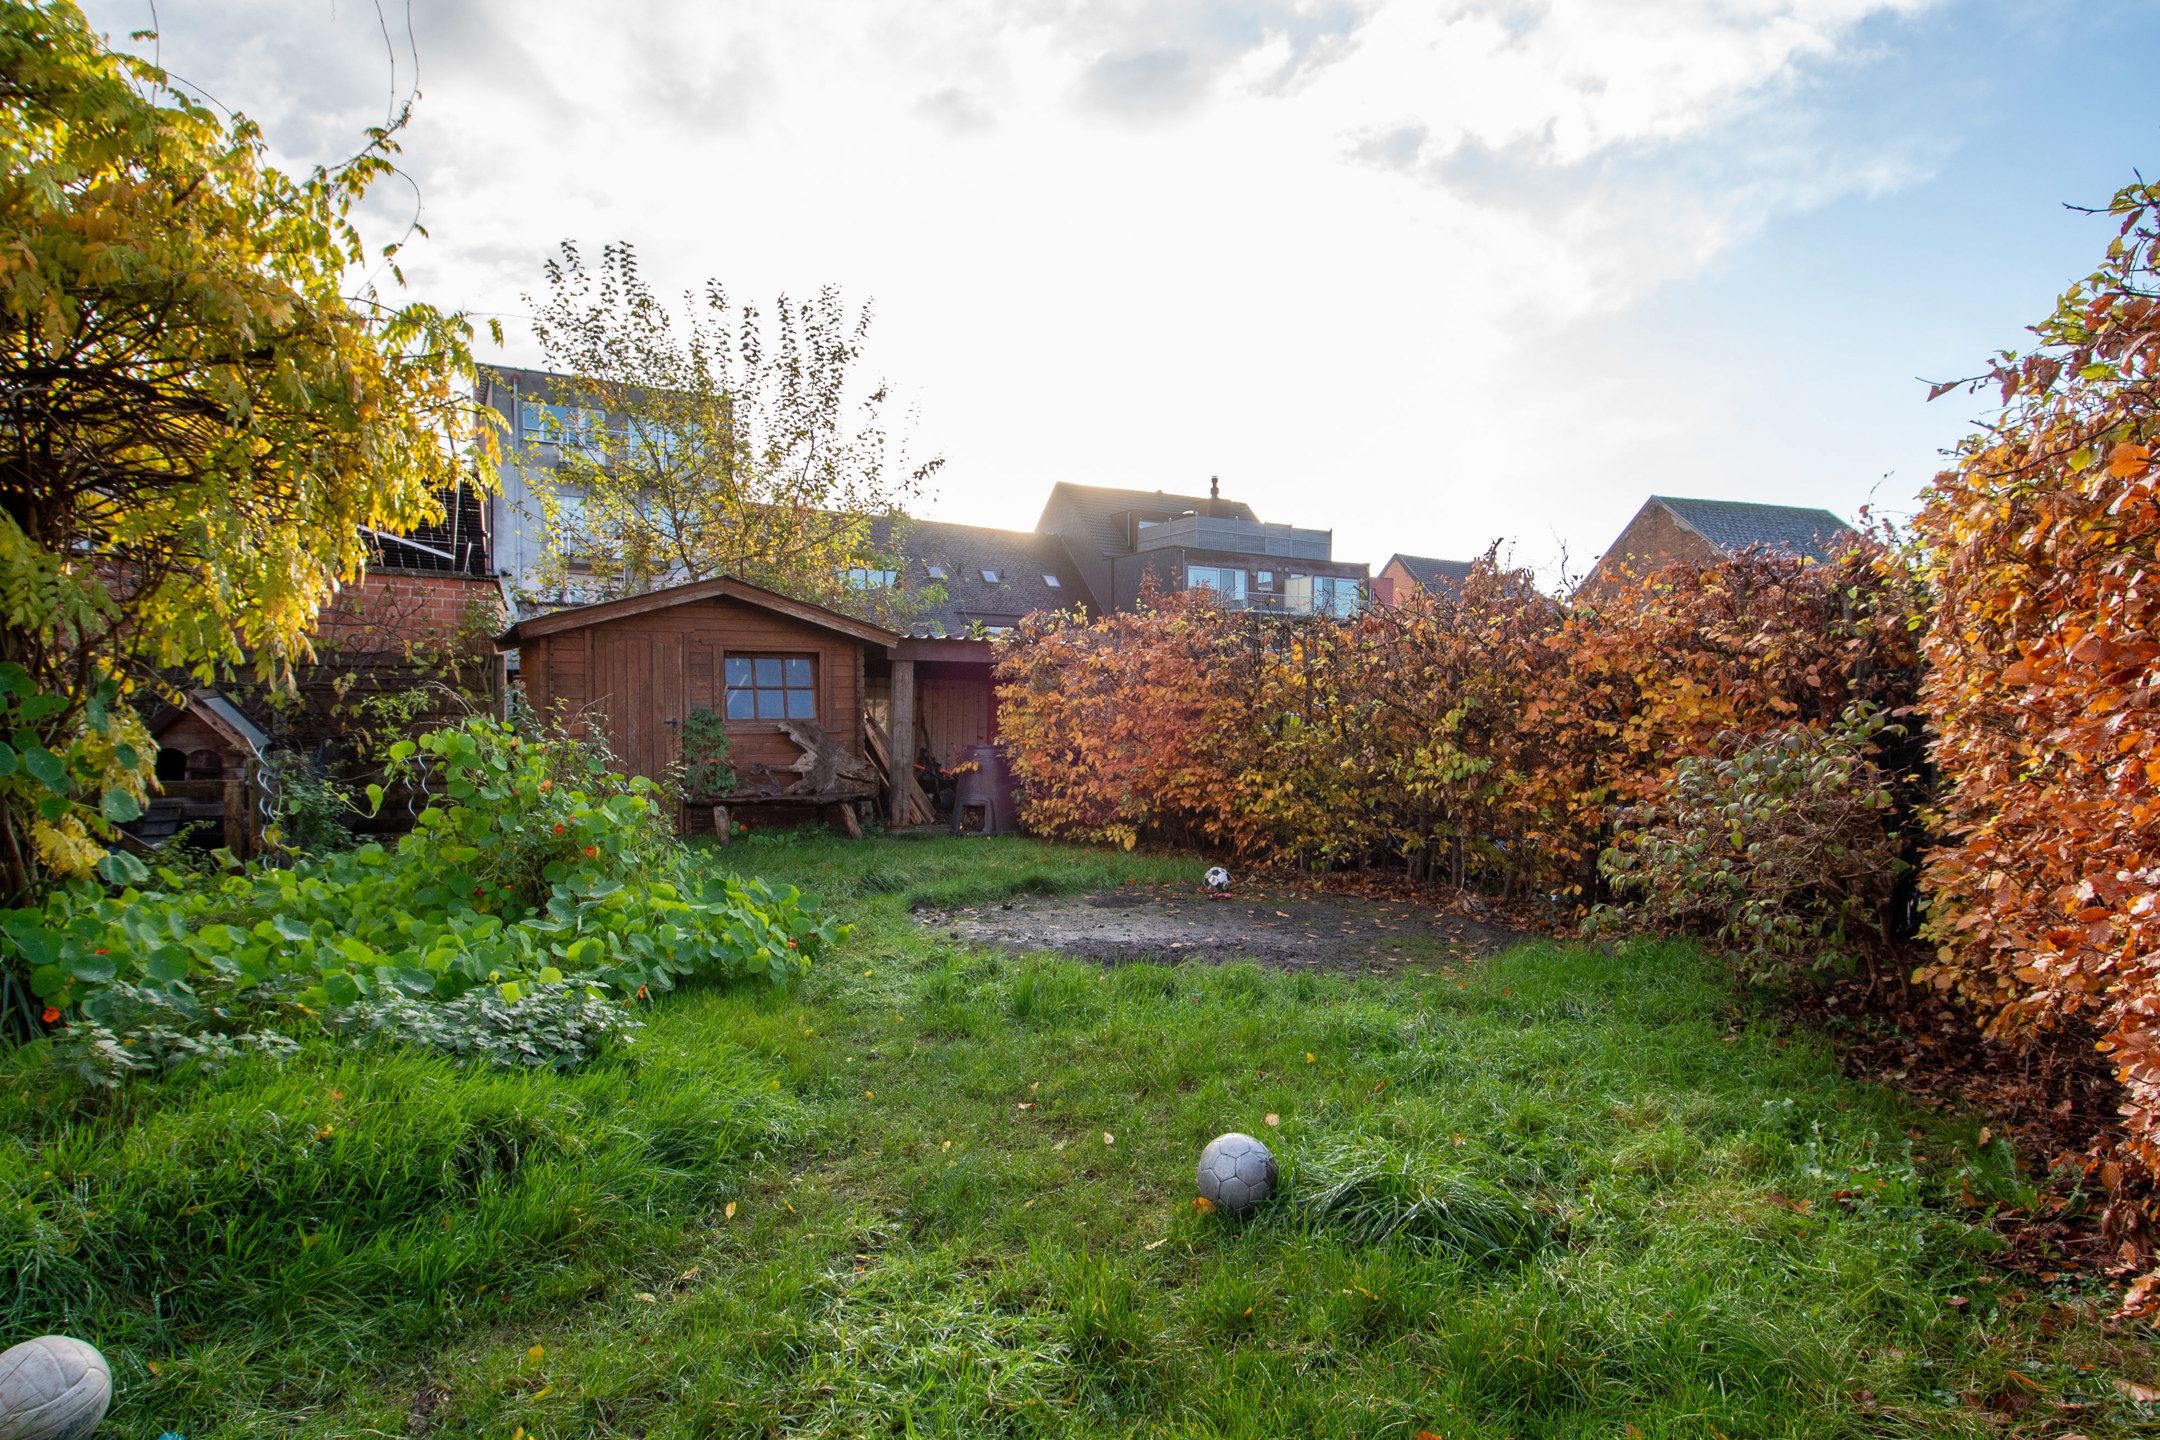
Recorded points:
(52, 1388)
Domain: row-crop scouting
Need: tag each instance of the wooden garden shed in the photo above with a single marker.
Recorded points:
(784, 676)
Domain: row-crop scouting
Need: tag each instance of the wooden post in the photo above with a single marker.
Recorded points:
(723, 829)
(239, 834)
(847, 818)
(902, 770)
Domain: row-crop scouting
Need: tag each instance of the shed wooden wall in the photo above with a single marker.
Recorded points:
(957, 709)
(628, 678)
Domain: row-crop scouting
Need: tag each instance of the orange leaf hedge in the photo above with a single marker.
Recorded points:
(1483, 735)
(2044, 693)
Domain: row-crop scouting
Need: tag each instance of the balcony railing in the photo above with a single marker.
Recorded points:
(1238, 537)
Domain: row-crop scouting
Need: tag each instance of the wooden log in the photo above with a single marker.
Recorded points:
(827, 765)
(723, 829)
(850, 819)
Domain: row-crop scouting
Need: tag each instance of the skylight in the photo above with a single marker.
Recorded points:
(1053, 582)
(993, 577)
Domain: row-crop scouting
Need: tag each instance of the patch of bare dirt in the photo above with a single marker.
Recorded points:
(1288, 929)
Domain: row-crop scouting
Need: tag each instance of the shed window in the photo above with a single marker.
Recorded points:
(771, 687)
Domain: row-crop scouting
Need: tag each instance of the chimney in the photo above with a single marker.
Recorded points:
(1214, 492)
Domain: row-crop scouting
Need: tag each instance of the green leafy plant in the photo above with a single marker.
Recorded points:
(76, 773)
(536, 863)
(705, 755)
(1778, 846)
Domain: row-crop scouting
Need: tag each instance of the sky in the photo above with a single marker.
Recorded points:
(1431, 275)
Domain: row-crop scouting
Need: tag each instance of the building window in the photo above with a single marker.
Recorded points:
(862, 578)
(1263, 579)
(1337, 595)
(1227, 582)
(771, 687)
(993, 577)
(567, 426)
(1053, 582)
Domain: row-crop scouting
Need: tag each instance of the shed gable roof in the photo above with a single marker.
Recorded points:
(1734, 525)
(723, 587)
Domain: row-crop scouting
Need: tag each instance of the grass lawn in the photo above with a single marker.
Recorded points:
(946, 1191)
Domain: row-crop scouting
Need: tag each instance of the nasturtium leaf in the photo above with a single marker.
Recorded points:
(45, 767)
(121, 868)
(92, 968)
(119, 807)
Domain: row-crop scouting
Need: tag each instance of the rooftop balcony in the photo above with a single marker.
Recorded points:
(1237, 537)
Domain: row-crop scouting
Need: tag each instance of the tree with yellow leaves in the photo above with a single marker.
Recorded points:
(203, 410)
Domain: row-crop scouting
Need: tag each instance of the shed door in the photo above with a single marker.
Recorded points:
(641, 691)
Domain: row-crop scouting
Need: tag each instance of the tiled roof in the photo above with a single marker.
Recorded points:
(1101, 505)
(1734, 525)
(1021, 559)
(1433, 574)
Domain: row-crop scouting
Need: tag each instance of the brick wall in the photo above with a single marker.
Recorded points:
(1651, 541)
(391, 611)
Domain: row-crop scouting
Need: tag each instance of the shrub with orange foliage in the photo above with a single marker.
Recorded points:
(2044, 694)
(1482, 735)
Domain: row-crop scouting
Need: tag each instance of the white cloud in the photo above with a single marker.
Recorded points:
(1333, 252)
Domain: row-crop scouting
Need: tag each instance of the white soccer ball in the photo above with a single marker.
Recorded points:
(1237, 1172)
(52, 1388)
(1217, 879)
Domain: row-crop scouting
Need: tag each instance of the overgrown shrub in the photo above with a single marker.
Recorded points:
(1779, 846)
(534, 863)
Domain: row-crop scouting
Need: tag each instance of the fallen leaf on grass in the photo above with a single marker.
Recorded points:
(534, 1352)
(729, 1211)
(1273, 1119)
(1157, 1245)
(1308, 1057)
(648, 1297)
(2132, 1390)
(1025, 1105)
(1108, 1138)
(1805, 1207)
(1201, 1205)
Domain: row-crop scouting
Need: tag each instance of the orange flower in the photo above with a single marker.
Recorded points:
(641, 992)
(546, 785)
(591, 851)
(52, 1016)
(560, 827)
